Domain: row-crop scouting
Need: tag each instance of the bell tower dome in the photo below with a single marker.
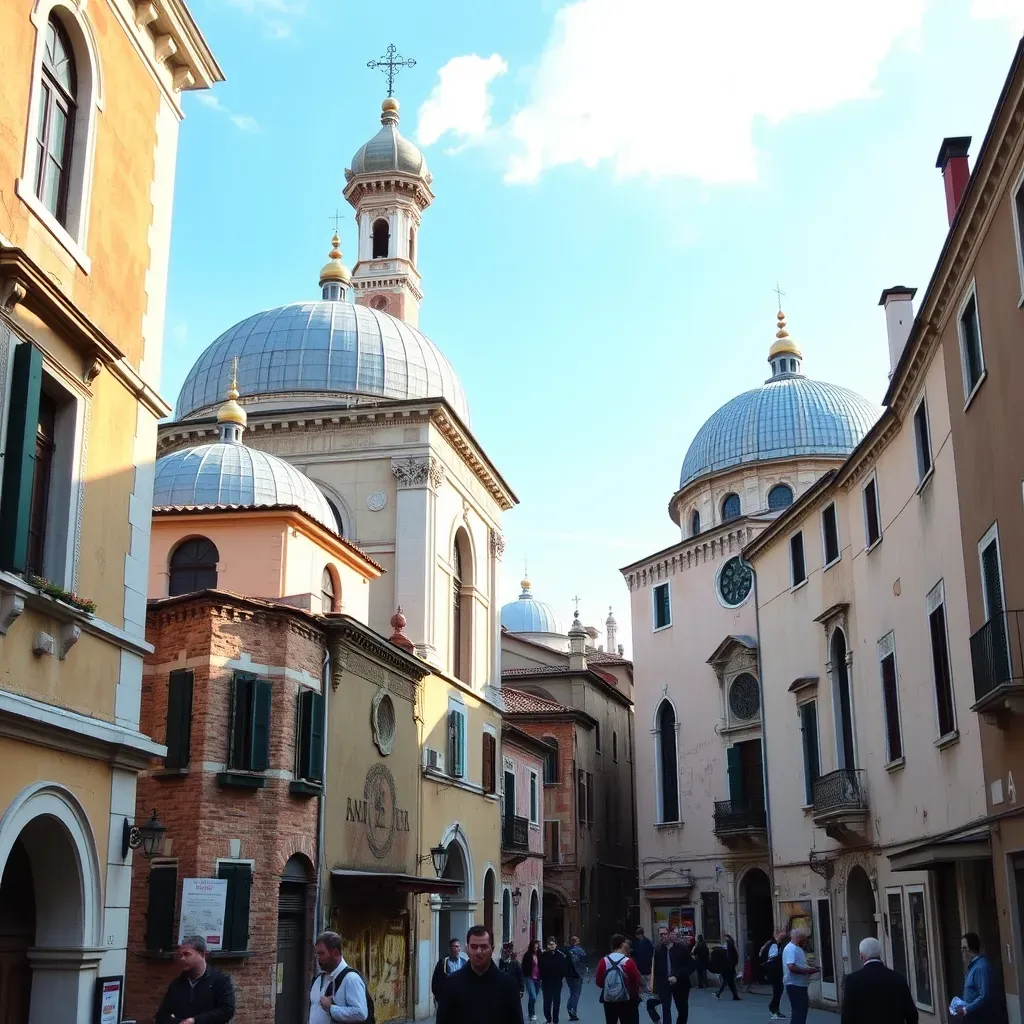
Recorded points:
(388, 186)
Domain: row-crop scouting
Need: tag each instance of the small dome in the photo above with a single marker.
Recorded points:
(528, 615)
(334, 269)
(388, 150)
(234, 474)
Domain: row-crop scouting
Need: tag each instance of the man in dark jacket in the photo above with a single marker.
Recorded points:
(200, 994)
(672, 967)
(875, 994)
(642, 952)
(454, 961)
(553, 969)
(480, 992)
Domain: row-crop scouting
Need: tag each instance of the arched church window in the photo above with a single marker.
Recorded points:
(694, 523)
(193, 566)
(730, 507)
(668, 774)
(462, 576)
(381, 238)
(780, 496)
(55, 127)
(329, 599)
(412, 245)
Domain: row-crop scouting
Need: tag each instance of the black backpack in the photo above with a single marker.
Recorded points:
(370, 1015)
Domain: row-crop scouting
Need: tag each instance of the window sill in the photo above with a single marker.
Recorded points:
(874, 544)
(808, 809)
(661, 629)
(948, 740)
(975, 389)
(798, 586)
(926, 479)
(302, 787)
(668, 824)
(897, 765)
(54, 226)
(241, 780)
(835, 561)
(170, 773)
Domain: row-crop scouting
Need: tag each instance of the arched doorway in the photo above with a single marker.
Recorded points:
(17, 934)
(554, 917)
(453, 919)
(845, 750)
(534, 916)
(489, 900)
(860, 910)
(756, 924)
(292, 940)
(507, 923)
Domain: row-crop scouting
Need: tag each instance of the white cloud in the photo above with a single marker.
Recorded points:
(244, 122)
(1011, 11)
(674, 87)
(276, 16)
(460, 102)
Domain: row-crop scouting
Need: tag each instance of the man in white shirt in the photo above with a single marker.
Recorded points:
(337, 992)
(796, 975)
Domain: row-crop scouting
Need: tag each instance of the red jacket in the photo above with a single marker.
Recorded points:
(629, 969)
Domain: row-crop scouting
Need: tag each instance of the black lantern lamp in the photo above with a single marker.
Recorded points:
(439, 855)
(148, 837)
(516, 897)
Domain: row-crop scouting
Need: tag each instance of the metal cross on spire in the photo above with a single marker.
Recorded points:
(336, 217)
(391, 63)
(778, 293)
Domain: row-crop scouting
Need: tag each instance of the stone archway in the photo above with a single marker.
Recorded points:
(293, 938)
(860, 910)
(454, 916)
(756, 916)
(535, 921)
(47, 850)
(553, 917)
(489, 899)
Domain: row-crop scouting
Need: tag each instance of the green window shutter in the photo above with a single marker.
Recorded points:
(20, 457)
(809, 728)
(179, 718)
(736, 793)
(311, 735)
(163, 889)
(236, 906)
(238, 725)
(259, 760)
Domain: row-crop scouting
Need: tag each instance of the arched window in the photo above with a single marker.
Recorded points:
(694, 523)
(412, 245)
(462, 576)
(379, 302)
(55, 127)
(381, 238)
(330, 599)
(551, 762)
(780, 496)
(730, 507)
(193, 566)
(506, 916)
(339, 526)
(668, 775)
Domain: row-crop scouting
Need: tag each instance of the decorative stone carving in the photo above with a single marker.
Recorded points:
(12, 293)
(70, 633)
(436, 471)
(11, 606)
(145, 14)
(93, 370)
(497, 545)
(418, 472)
(376, 501)
(382, 720)
(465, 511)
(42, 644)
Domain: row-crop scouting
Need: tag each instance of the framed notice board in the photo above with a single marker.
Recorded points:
(107, 1002)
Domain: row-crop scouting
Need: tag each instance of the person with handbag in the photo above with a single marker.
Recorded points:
(338, 993)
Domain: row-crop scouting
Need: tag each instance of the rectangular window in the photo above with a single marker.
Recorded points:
(809, 730)
(236, 907)
(552, 849)
(590, 797)
(551, 766)
(796, 559)
(919, 952)
(249, 731)
(1018, 228)
(897, 930)
(872, 519)
(830, 534)
(924, 444)
(581, 794)
(456, 743)
(160, 904)
(828, 963)
(710, 917)
(992, 592)
(597, 737)
(178, 737)
(310, 746)
(490, 752)
(534, 798)
(890, 698)
(615, 746)
(662, 606)
(940, 662)
(970, 345)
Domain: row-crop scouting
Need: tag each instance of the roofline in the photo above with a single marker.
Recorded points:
(782, 523)
(703, 536)
(370, 640)
(517, 735)
(215, 595)
(555, 672)
(544, 716)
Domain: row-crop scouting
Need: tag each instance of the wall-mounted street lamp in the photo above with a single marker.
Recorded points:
(516, 897)
(148, 837)
(439, 855)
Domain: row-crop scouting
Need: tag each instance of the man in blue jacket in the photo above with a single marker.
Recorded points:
(979, 985)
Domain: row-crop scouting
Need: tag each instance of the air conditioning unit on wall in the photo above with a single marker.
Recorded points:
(433, 759)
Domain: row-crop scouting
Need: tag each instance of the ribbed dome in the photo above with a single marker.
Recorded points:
(234, 474)
(388, 150)
(528, 615)
(788, 416)
(322, 351)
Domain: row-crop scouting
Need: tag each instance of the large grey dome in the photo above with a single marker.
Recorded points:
(320, 352)
(389, 150)
(234, 474)
(790, 415)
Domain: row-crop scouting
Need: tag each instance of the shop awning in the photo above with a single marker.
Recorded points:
(399, 882)
(974, 845)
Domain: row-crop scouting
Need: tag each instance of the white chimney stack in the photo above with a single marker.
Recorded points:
(899, 319)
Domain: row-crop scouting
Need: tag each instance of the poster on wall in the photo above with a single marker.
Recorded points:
(202, 909)
(107, 1008)
(670, 917)
(798, 914)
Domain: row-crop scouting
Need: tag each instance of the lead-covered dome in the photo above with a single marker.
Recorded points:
(389, 151)
(226, 473)
(320, 352)
(528, 615)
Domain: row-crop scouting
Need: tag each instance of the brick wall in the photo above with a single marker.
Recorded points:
(214, 635)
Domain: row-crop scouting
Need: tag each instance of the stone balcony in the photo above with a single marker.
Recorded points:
(741, 823)
(841, 804)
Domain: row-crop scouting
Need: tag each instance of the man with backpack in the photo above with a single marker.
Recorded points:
(338, 992)
(619, 981)
(771, 963)
(575, 970)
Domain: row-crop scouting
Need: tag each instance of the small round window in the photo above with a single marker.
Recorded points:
(744, 697)
(382, 718)
(734, 582)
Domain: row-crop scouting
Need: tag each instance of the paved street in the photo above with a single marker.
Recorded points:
(704, 1009)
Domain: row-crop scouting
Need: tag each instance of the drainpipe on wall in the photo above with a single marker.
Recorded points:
(764, 747)
(325, 687)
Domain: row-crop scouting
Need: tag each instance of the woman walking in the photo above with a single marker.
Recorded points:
(531, 977)
(729, 964)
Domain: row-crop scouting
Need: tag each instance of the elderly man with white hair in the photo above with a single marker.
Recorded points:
(875, 994)
(796, 974)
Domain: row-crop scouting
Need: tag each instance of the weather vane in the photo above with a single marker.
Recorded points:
(390, 64)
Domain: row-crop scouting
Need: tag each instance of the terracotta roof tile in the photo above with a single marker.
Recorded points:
(522, 703)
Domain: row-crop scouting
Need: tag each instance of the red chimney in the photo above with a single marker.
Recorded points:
(956, 172)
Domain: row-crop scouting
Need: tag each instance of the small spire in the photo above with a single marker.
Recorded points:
(398, 638)
(389, 111)
(231, 416)
(335, 277)
(784, 355)
(525, 584)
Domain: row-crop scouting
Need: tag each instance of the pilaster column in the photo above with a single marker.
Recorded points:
(496, 550)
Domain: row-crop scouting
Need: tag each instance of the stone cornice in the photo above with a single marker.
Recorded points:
(392, 183)
(725, 540)
(194, 65)
(362, 638)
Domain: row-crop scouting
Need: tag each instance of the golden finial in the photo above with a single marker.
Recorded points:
(334, 269)
(784, 344)
(231, 411)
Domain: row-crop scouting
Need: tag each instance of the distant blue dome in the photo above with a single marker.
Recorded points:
(788, 416)
(234, 474)
(528, 615)
(319, 352)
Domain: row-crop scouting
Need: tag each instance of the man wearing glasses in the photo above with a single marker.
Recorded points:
(978, 1003)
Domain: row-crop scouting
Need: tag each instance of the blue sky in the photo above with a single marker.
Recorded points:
(619, 185)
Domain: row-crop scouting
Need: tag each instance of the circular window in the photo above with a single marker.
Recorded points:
(380, 303)
(382, 718)
(734, 582)
(744, 698)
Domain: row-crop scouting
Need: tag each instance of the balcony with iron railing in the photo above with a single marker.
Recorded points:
(740, 822)
(997, 657)
(515, 837)
(841, 803)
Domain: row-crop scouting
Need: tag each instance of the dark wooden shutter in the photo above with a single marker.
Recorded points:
(163, 890)
(892, 707)
(489, 758)
(260, 752)
(238, 731)
(590, 796)
(311, 735)
(179, 718)
(236, 907)
(735, 766)
(20, 457)
(809, 728)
